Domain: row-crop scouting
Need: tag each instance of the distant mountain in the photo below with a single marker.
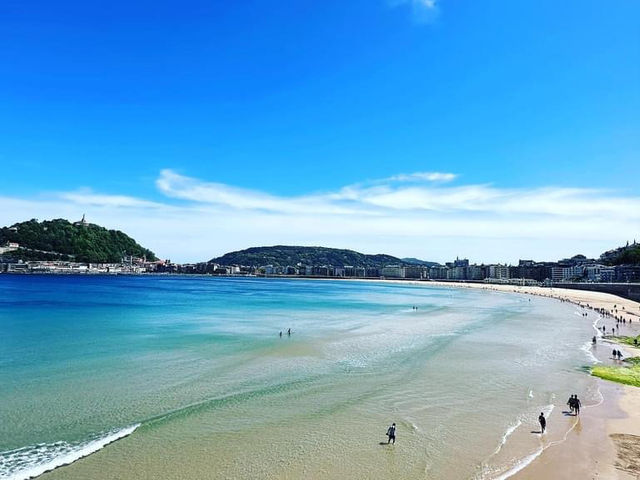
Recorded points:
(282, 255)
(62, 240)
(627, 255)
(417, 261)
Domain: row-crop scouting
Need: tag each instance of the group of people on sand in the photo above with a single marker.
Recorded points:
(613, 330)
(613, 313)
(617, 354)
(574, 404)
(574, 407)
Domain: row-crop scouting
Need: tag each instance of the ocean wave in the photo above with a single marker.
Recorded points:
(521, 464)
(512, 428)
(587, 349)
(29, 462)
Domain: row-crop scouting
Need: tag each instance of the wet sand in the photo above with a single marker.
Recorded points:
(605, 441)
(591, 449)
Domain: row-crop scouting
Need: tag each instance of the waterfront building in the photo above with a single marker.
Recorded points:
(457, 273)
(415, 271)
(476, 272)
(498, 271)
(557, 273)
(438, 273)
(393, 271)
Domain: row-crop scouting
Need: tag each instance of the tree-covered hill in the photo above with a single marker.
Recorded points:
(417, 261)
(627, 255)
(61, 239)
(282, 255)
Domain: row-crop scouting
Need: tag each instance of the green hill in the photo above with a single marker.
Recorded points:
(627, 255)
(417, 261)
(282, 255)
(62, 240)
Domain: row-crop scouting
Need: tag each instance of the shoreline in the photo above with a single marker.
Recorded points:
(605, 440)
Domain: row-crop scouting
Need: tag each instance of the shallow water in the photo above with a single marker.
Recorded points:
(198, 363)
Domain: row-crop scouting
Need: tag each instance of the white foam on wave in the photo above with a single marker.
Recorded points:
(32, 461)
(520, 465)
(587, 349)
(595, 326)
(523, 462)
(510, 429)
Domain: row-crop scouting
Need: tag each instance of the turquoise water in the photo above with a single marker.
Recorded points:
(190, 376)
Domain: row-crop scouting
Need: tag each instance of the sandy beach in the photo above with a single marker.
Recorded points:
(616, 306)
(604, 441)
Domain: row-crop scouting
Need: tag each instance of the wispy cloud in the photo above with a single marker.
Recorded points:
(413, 214)
(398, 192)
(423, 176)
(86, 196)
(424, 11)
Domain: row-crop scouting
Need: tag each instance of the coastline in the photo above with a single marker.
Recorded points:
(604, 442)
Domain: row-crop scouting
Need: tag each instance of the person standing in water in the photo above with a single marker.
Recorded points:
(576, 404)
(543, 422)
(391, 433)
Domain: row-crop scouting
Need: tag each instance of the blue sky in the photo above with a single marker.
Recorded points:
(228, 119)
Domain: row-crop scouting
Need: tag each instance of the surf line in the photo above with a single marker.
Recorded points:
(29, 462)
(530, 458)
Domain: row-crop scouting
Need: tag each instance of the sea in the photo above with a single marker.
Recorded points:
(176, 377)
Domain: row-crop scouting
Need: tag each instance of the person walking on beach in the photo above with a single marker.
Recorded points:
(572, 404)
(543, 422)
(576, 404)
(391, 433)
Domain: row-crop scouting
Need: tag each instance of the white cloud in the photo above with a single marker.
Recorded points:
(86, 196)
(426, 3)
(424, 11)
(413, 214)
(422, 176)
